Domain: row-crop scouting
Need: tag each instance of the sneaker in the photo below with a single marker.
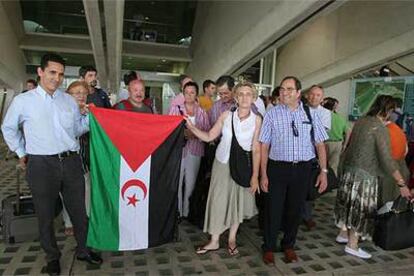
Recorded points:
(358, 253)
(340, 239)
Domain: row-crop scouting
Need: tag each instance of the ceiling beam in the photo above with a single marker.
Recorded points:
(152, 50)
(114, 22)
(93, 19)
(75, 44)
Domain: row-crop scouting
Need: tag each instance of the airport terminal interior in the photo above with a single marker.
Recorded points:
(356, 50)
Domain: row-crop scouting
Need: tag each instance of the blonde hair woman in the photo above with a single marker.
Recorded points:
(228, 203)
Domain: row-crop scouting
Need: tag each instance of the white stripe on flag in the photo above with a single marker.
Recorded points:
(133, 221)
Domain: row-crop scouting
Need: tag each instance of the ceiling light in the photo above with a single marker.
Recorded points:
(164, 60)
(168, 74)
(146, 18)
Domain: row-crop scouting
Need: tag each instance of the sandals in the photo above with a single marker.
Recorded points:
(202, 250)
(233, 251)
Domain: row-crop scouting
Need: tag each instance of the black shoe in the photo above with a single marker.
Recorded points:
(90, 257)
(53, 267)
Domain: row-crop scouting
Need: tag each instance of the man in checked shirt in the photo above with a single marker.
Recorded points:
(287, 151)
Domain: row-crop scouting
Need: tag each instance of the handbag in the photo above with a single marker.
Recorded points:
(395, 230)
(333, 181)
(241, 164)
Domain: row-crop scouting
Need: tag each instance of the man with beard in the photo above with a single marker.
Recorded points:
(97, 96)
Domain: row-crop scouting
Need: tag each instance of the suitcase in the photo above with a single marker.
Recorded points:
(18, 218)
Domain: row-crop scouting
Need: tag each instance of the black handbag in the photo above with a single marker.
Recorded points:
(241, 164)
(333, 181)
(395, 230)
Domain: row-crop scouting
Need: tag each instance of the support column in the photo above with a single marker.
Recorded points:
(93, 18)
(114, 22)
(12, 61)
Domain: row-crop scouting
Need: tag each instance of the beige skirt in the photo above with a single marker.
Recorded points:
(227, 203)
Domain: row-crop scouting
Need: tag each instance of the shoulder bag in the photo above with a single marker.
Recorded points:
(241, 164)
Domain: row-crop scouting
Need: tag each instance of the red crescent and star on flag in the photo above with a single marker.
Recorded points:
(132, 200)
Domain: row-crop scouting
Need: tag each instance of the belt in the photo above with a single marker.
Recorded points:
(63, 155)
(294, 163)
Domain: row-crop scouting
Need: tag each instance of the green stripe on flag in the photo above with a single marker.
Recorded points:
(103, 230)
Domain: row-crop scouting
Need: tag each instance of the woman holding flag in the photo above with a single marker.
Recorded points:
(194, 148)
(228, 203)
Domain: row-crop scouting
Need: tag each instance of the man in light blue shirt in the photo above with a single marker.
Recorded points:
(42, 126)
(290, 142)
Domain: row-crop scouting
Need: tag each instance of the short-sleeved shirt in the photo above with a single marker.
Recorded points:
(126, 105)
(339, 127)
(324, 114)
(280, 124)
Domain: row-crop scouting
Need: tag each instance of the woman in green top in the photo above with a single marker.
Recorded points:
(366, 158)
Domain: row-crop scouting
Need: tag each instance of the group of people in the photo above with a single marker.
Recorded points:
(48, 129)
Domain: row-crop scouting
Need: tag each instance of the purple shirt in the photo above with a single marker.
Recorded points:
(218, 108)
(278, 129)
(194, 146)
(178, 100)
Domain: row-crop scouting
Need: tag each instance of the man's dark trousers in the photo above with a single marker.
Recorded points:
(47, 176)
(288, 187)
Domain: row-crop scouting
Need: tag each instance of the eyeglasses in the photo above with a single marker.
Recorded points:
(294, 129)
(289, 89)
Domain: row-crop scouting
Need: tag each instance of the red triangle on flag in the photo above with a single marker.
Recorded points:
(135, 135)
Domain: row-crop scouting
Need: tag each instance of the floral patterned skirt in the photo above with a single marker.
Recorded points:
(356, 202)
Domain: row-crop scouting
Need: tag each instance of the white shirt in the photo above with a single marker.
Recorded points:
(122, 95)
(260, 106)
(244, 131)
(325, 116)
(192, 119)
(51, 123)
(269, 106)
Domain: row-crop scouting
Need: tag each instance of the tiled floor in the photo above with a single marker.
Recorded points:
(318, 252)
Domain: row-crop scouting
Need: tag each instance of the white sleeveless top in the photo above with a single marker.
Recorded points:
(244, 133)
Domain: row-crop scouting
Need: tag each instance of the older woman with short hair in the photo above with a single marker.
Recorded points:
(366, 158)
(228, 203)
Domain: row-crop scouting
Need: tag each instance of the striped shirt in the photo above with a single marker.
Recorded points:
(218, 108)
(194, 146)
(279, 128)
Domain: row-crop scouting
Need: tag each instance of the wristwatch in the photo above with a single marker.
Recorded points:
(324, 170)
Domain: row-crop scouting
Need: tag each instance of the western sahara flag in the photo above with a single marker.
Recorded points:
(135, 166)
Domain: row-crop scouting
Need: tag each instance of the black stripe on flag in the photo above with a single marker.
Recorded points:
(165, 174)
